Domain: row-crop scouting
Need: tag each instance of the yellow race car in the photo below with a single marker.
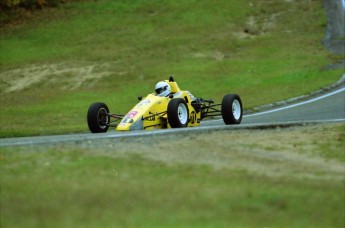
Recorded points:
(167, 107)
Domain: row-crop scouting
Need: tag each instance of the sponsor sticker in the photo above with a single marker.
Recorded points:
(131, 114)
(144, 102)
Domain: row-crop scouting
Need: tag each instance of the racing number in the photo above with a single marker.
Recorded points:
(193, 117)
(151, 118)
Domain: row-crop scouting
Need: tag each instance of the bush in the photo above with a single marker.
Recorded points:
(28, 4)
(9, 3)
(13, 9)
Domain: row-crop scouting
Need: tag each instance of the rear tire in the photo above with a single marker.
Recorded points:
(178, 113)
(232, 109)
(97, 117)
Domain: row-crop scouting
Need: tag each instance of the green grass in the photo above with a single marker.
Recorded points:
(259, 51)
(63, 59)
(129, 183)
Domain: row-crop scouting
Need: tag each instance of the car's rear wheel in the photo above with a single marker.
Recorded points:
(232, 109)
(97, 117)
(178, 113)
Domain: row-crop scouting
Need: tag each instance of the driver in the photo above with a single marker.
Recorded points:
(163, 89)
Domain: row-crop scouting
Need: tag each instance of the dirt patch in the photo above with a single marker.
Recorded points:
(296, 152)
(61, 75)
(259, 26)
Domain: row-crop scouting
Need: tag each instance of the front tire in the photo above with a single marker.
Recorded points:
(232, 109)
(97, 117)
(178, 113)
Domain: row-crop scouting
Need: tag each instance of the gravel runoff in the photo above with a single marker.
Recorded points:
(334, 39)
(335, 32)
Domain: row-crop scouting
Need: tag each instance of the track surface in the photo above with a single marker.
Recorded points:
(323, 108)
(330, 106)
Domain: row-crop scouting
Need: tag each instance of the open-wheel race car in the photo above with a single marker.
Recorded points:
(167, 107)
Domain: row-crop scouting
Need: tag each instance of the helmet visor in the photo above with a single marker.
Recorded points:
(161, 90)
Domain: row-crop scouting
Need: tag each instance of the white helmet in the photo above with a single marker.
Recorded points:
(163, 89)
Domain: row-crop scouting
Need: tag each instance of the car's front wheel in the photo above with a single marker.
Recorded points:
(97, 117)
(232, 109)
(178, 113)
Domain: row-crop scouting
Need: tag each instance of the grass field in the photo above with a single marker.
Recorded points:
(292, 177)
(58, 61)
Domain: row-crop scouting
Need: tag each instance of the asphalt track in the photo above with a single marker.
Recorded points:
(328, 107)
(325, 107)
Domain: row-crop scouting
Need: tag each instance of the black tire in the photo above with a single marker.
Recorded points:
(178, 113)
(232, 109)
(97, 117)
